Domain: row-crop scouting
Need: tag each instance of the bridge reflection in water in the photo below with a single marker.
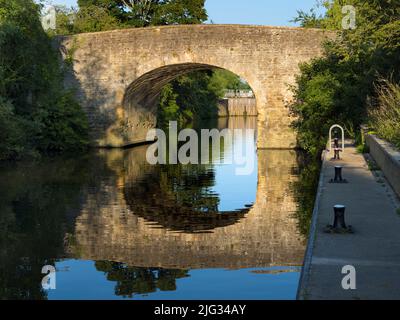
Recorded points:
(116, 227)
(172, 217)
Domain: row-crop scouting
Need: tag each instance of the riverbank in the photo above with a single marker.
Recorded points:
(374, 247)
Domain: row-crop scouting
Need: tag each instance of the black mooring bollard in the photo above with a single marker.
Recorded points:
(338, 175)
(339, 224)
(339, 217)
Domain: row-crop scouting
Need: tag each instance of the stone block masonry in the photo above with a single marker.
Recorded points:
(118, 75)
(387, 158)
(237, 107)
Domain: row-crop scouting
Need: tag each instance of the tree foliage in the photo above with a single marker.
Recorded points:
(143, 13)
(187, 98)
(86, 19)
(223, 80)
(36, 113)
(335, 88)
(195, 96)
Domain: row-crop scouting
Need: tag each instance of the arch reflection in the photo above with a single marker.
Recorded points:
(119, 227)
(179, 198)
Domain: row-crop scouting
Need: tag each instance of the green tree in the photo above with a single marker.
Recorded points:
(168, 108)
(223, 80)
(93, 18)
(143, 13)
(336, 87)
(87, 19)
(169, 12)
(31, 92)
(195, 96)
(12, 135)
(331, 20)
(189, 97)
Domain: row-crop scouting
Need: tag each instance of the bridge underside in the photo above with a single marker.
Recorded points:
(141, 97)
(118, 75)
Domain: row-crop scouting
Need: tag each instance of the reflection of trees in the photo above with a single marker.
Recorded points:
(305, 189)
(38, 204)
(179, 198)
(189, 186)
(132, 280)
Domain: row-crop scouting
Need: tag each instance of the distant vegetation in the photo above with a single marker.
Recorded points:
(338, 87)
(195, 96)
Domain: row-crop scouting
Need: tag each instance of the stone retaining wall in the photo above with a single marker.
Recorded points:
(387, 158)
(237, 107)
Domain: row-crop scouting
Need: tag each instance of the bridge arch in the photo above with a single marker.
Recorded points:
(141, 96)
(113, 71)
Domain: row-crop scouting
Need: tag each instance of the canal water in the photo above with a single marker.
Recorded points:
(116, 227)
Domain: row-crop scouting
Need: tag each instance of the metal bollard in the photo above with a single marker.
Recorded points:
(339, 216)
(339, 224)
(338, 175)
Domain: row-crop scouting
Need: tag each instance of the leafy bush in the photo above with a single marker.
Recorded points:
(37, 114)
(63, 125)
(12, 135)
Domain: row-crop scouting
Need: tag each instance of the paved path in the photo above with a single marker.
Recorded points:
(374, 248)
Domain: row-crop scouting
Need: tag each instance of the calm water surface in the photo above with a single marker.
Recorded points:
(116, 227)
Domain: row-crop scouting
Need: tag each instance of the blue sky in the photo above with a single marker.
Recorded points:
(260, 12)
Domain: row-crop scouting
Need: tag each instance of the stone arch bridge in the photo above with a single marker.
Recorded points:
(119, 74)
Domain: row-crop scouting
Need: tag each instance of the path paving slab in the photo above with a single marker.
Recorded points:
(373, 249)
